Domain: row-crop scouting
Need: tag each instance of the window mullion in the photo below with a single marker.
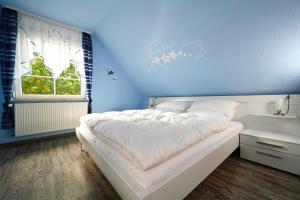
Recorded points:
(54, 84)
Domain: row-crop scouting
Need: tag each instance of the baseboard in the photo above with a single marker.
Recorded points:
(35, 138)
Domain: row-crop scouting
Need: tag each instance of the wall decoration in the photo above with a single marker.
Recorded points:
(160, 54)
(111, 74)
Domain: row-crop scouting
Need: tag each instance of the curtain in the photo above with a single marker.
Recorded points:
(8, 35)
(56, 43)
(88, 66)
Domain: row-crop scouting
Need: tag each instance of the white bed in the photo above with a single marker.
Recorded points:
(156, 176)
(176, 177)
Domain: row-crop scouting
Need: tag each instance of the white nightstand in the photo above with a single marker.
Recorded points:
(280, 150)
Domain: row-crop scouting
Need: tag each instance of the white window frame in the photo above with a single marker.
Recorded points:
(20, 96)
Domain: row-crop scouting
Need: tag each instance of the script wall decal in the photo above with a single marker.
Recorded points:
(161, 54)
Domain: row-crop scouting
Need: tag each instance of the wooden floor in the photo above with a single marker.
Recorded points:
(56, 169)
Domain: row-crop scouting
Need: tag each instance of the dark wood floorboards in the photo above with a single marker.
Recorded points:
(56, 169)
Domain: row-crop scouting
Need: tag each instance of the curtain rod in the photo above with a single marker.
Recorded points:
(49, 20)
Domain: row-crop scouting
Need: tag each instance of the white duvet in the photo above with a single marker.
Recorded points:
(149, 137)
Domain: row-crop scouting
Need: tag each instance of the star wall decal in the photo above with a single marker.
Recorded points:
(173, 55)
(156, 60)
(160, 54)
(165, 58)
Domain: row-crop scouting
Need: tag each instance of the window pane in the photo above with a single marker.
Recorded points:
(39, 79)
(68, 82)
(68, 87)
(71, 71)
(39, 68)
(37, 85)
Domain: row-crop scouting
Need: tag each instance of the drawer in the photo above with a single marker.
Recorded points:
(279, 160)
(271, 144)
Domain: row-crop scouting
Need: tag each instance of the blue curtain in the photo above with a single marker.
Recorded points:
(8, 36)
(88, 66)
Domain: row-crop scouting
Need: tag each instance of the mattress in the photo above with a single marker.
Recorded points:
(172, 167)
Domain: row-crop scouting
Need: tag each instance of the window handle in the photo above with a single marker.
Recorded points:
(270, 144)
(267, 154)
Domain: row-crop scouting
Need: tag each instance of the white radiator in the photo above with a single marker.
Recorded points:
(35, 118)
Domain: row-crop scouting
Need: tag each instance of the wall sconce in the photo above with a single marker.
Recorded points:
(153, 102)
(280, 104)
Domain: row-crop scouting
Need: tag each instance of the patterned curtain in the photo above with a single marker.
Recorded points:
(8, 36)
(88, 66)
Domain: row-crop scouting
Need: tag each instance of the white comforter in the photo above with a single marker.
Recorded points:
(149, 137)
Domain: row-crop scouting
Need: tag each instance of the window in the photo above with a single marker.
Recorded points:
(68, 83)
(39, 80)
(49, 60)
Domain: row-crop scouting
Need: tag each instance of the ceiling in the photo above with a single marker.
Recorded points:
(86, 14)
(247, 47)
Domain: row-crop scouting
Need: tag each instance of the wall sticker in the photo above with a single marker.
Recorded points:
(160, 54)
(111, 74)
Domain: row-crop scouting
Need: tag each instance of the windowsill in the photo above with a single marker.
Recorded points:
(16, 101)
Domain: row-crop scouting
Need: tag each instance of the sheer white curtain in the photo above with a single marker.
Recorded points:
(56, 43)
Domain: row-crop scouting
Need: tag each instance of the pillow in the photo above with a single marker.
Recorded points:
(169, 110)
(173, 106)
(226, 107)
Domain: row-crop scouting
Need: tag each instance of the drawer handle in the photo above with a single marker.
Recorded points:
(267, 154)
(269, 144)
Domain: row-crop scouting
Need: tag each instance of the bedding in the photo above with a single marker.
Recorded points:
(153, 177)
(173, 106)
(147, 138)
(226, 107)
(169, 110)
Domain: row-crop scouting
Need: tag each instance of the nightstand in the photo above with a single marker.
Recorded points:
(275, 149)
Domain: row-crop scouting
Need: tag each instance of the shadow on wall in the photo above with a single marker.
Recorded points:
(108, 94)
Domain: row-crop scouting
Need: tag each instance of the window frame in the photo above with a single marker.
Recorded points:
(18, 93)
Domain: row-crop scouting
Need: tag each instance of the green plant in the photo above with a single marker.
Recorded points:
(68, 87)
(70, 72)
(39, 80)
(37, 85)
(68, 83)
(39, 68)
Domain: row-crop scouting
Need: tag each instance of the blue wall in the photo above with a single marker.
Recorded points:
(84, 14)
(252, 47)
(107, 94)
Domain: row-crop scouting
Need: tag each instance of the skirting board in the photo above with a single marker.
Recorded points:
(174, 188)
(8, 138)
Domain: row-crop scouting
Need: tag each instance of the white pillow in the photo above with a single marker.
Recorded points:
(169, 110)
(226, 107)
(175, 106)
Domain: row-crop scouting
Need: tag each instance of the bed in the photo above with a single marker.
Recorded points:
(176, 177)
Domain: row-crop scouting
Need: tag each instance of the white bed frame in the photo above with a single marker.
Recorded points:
(180, 185)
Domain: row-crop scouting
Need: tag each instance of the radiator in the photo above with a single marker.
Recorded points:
(35, 118)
